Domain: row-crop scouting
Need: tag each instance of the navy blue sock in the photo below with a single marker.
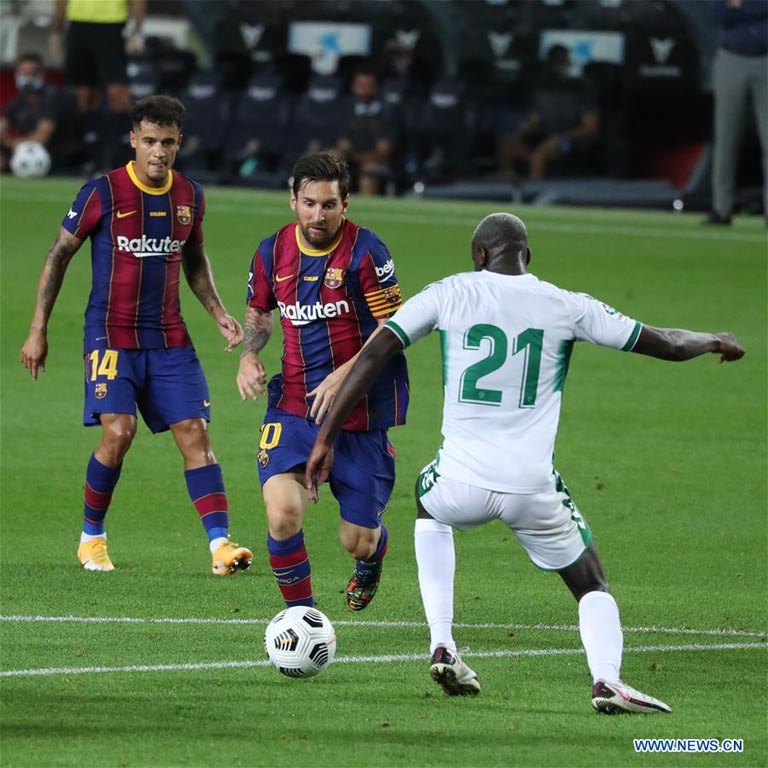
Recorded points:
(100, 481)
(290, 565)
(206, 489)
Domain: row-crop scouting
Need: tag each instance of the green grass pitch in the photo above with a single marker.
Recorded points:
(162, 664)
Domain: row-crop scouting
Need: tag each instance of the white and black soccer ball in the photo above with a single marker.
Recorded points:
(30, 160)
(300, 641)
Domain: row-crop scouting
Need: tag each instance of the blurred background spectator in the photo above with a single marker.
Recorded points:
(562, 126)
(266, 80)
(367, 133)
(31, 115)
(740, 83)
(95, 64)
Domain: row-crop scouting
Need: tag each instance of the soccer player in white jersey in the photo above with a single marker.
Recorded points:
(507, 339)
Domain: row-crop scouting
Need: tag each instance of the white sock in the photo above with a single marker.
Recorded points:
(436, 559)
(89, 537)
(216, 543)
(601, 635)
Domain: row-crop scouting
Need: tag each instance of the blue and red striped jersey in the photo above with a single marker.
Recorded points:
(330, 301)
(137, 236)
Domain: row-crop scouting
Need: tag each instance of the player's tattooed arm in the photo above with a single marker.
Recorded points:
(251, 375)
(35, 348)
(197, 269)
(52, 276)
(257, 331)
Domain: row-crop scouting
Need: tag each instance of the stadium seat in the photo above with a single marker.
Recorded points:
(395, 91)
(315, 122)
(234, 69)
(174, 69)
(257, 141)
(142, 81)
(296, 70)
(171, 67)
(209, 111)
(440, 132)
(607, 80)
(68, 153)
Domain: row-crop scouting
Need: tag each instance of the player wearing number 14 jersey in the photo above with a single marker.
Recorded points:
(145, 225)
(506, 341)
(333, 283)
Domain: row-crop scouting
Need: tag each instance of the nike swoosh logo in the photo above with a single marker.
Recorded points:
(206, 403)
(279, 279)
(121, 215)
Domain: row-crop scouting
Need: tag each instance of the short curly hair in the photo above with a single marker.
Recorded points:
(160, 110)
(497, 230)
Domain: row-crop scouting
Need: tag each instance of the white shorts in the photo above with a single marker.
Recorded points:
(547, 524)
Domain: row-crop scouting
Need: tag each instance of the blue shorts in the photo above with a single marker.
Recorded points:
(363, 472)
(167, 385)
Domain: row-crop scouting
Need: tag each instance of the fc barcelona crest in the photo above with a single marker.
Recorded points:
(263, 458)
(184, 214)
(100, 390)
(392, 295)
(334, 277)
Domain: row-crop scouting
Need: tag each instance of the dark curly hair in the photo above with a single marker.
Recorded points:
(160, 110)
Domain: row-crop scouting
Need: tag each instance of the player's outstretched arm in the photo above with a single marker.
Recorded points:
(251, 375)
(35, 348)
(370, 361)
(197, 269)
(678, 344)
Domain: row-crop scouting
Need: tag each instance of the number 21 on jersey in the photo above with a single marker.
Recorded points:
(529, 343)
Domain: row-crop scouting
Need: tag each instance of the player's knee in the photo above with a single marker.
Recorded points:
(119, 433)
(283, 523)
(116, 439)
(192, 438)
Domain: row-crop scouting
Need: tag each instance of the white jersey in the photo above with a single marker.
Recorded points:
(506, 342)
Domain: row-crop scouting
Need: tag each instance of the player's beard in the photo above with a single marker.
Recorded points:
(319, 239)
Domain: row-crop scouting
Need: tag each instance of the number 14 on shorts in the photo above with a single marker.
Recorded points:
(102, 363)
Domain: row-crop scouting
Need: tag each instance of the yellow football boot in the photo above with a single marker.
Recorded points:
(231, 557)
(93, 555)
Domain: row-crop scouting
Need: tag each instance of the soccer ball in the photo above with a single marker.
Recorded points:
(300, 641)
(30, 160)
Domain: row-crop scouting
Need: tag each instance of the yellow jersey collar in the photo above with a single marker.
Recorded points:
(323, 251)
(143, 187)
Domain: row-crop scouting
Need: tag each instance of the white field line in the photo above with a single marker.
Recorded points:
(350, 623)
(534, 226)
(405, 657)
(607, 225)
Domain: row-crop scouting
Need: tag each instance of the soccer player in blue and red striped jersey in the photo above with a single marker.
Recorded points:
(144, 221)
(333, 283)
